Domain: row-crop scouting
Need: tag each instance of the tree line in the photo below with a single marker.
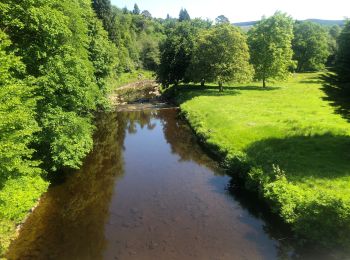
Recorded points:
(200, 51)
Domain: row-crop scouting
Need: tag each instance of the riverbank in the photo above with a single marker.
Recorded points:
(19, 197)
(287, 143)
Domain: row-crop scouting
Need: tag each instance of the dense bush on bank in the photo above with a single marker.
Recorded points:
(55, 58)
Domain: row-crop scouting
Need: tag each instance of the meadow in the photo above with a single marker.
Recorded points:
(287, 142)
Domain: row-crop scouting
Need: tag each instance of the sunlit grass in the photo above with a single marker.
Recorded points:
(288, 124)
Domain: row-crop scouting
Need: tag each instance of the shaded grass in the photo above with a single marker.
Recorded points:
(288, 142)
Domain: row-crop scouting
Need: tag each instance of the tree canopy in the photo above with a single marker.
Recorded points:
(222, 19)
(310, 46)
(184, 16)
(221, 54)
(270, 43)
(342, 65)
(176, 53)
(136, 9)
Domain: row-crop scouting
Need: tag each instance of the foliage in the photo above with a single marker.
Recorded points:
(176, 53)
(134, 34)
(342, 64)
(103, 9)
(221, 54)
(67, 138)
(19, 195)
(296, 150)
(136, 9)
(20, 177)
(334, 33)
(270, 47)
(310, 46)
(17, 122)
(183, 15)
(150, 55)
(55, 60)
(221, 19)
(146, 14)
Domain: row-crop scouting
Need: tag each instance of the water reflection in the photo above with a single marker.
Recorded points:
(67, 224)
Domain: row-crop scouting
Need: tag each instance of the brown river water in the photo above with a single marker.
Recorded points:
(148, 191)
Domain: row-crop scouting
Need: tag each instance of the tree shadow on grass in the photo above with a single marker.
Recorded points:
(315, 80)
(187, 92)
(338, 94)
(226, 88)
(303, 157)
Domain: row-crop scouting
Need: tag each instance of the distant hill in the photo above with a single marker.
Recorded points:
(247, 25)
(327, 22)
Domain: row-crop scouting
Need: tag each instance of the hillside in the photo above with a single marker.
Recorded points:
(247, 25)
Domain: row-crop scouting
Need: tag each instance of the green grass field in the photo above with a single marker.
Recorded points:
(288, 143)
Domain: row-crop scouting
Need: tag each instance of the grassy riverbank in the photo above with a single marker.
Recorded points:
(285, 141)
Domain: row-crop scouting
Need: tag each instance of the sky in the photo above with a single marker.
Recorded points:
(243, 10)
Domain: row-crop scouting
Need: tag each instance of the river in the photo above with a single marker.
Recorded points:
(148, 191)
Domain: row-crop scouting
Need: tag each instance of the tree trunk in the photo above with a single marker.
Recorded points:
(221, 89)
(264, 83)
(202, 82)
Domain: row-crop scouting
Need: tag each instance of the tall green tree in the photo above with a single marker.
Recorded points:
(310, 46)
(103, 9)
(136, 9)
(146, 14)
(270, 43)
(334, 33)
(54, 39)
(342, 65)
(221, 19)
(221, 54)
(183, 15)
(176, 53)
(55, 58)
(17, 116)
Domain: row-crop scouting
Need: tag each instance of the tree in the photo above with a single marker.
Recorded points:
(136, 9)
(342, 65)
(221, 19)
(150, 54)
(176, 53)
(270, 43)
(334, 33)
(184, 16)
(103, 10)
(221, 54)
(17, 117)
(54, 39)
(146, 14)
(310, 46)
